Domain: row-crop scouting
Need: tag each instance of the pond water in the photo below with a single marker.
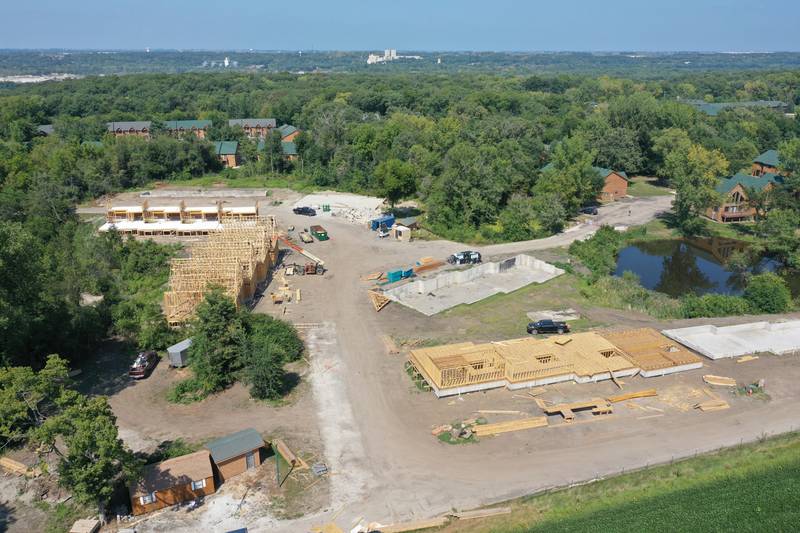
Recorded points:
(678, 267)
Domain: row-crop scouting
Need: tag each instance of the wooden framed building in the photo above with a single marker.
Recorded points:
(735, 191)
(766, 163)
(652, 352)
(254, 128)
(228, 153)
(173, 481)
(133, 128)
(288, 132)
(180, 128)
(615, 185)
(236, 453)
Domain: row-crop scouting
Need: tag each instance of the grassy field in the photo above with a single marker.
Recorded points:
(641, 187)
(749, 488)
(239, 181)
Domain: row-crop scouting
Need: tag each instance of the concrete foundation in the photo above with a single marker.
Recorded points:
(351, 207)
(733, 341)
(449, 289)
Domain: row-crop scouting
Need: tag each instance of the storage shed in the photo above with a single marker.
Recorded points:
(179, 353)
(236, 453)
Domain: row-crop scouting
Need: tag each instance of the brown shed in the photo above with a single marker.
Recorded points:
(177, 480)
(236, 453)
(615, 185)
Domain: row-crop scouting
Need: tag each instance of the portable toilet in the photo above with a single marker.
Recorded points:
(179, 353)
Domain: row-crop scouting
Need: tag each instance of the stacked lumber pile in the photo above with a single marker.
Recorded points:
(712, 405)
(632, 395)
(15, 467)
(512, 425)
(719, 381)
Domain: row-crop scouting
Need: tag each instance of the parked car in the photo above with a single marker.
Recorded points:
(547, 326)
(144, 365)
(464, 258)
(590, 210)
(307, 211)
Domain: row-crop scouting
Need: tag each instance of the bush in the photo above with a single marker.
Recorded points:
(599, 252)
(768, 293)
(710, 305)
(627, 293)
(187, 391)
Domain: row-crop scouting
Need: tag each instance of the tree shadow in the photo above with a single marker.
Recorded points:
(290, 381)
(6, 517)
(106, 372)
(405, 212)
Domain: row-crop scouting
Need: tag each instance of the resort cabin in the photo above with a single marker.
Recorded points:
(615, 185)
(289, 150)
(45, 130)
(227, 152)
(254, 128)
(766, 163)
(140, 128)
(173, 481)
(236, 453)
(180, 128)
(288, 132)
(735, 206)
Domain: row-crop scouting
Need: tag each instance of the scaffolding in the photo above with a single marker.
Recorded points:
(237, 258)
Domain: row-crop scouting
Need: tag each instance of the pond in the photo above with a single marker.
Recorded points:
(677, 267)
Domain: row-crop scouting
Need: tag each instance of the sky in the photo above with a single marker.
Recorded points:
(441, 25)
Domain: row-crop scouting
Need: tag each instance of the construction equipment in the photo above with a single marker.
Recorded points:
(306, 237)
(301, 250)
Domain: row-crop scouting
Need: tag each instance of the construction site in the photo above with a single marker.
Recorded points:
(408, 356)
(529, 362)
(237, 258)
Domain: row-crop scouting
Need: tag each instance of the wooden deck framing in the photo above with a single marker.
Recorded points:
(236, 259)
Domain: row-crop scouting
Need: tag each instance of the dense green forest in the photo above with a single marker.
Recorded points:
(639, 64)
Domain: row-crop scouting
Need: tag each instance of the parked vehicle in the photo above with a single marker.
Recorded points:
(590, 210)
(307, 211)
(144, 365)
(465, 258)
(547, 326)
(319, 232)
(306, 237)
(383, 233)
(312, 269)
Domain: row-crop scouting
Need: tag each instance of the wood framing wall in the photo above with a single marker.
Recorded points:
(237, 258)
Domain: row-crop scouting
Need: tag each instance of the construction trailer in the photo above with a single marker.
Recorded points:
(236, 259)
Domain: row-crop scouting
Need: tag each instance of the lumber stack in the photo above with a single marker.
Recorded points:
(719, 381)
(712, 405)
(512, 425)
(632, 395)
(598, 406)
(439, 521)
(15, 467)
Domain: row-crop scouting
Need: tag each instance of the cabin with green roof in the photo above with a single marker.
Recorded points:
(766, 163)
(735, 206)
(615, 183)
(288, 132)
(228, 153)
(179, 128)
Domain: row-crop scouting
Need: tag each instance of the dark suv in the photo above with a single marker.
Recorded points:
(307, 211)
(547, 326)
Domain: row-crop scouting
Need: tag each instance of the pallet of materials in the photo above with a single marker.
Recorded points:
(719, 381)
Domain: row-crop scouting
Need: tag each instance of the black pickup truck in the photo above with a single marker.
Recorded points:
(547, 326)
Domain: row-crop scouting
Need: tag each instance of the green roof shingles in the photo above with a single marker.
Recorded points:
(748, 182)
(235, 444)
(769, 158)
(226, 147)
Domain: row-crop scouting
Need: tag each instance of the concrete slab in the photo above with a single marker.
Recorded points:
(452, 288)
(733, 341)
(352, 207)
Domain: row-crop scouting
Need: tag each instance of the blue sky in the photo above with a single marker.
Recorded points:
(646, 25)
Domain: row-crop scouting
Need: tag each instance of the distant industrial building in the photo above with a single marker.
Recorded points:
(390, 54)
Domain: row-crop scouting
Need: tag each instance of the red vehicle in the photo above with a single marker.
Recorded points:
(144, 365)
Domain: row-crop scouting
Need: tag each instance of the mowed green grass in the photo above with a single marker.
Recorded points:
(749, 488)
(641, 187)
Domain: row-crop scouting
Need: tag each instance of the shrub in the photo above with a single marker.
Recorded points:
(187, 391)
(709, 305)
(768, 293)
(627, 293)
(599, 252)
